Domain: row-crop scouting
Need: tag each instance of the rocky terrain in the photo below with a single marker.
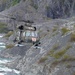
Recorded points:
(49, 8)
(5, 4)
(55, 55)
(40, 10)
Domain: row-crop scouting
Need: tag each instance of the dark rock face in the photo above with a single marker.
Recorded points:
(41, 9)
(47, 8)
(61, 8)
(55, 8)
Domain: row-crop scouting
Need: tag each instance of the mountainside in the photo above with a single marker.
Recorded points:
(40, 9)
(55, 8)
(55, 56)
(55, 22)
(24, 11)
(5, 4)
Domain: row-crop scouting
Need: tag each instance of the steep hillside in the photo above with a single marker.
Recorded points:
(5, 4)
(45, 8)
(40, 9)
(24, 11)
(56, 53)
(55, 8)
(55, 56)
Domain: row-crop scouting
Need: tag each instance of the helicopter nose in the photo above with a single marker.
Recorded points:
(34, 39)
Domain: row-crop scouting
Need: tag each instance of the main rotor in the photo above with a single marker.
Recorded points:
(19, 20)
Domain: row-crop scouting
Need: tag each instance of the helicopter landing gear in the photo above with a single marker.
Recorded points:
(36, 45)
(20, 42)
(14, 40)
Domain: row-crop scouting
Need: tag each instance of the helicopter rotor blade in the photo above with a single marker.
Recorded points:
(8, 16)
(13, 18)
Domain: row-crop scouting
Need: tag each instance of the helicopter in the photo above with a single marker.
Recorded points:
(25, 33)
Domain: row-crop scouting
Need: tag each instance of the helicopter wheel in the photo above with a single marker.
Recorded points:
(21, 41)
(33, 43)
(39, 43)
(36, 44)
(14, 40)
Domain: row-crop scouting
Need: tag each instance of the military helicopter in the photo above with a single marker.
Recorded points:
(25, 33)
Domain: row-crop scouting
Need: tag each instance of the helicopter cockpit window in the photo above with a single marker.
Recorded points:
(28, 33)
(31, 33)
(34, 34)
(23, 34)
(18, 33)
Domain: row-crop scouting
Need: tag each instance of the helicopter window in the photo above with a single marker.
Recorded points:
(28, 33)
(23, 33)
(31, 33)
(18, 33)
(34, 34)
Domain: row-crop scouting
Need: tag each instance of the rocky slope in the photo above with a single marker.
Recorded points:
(24, 11)
(55, 56)
(55, 8)
(40, 9)
(5, 4)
